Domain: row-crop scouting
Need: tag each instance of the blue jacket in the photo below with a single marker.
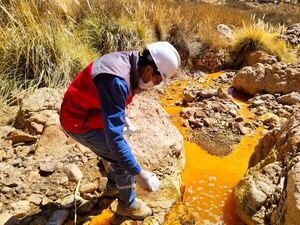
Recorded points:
(113, 92)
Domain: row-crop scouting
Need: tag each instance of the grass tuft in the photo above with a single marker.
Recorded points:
(260, 36)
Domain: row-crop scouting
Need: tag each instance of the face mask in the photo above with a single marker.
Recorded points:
(147, 85)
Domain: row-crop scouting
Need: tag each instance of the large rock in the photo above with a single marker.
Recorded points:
(270, 190)
(53, 142)
(40, 109)
(259, 57)
(290, 99)
(158, 147)
(276, 78)
(39, 114)
(292, 213)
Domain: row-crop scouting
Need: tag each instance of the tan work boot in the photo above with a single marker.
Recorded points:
(138, 211)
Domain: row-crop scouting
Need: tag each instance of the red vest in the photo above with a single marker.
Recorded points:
(81, 107)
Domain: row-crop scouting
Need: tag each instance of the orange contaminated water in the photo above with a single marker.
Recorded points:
(209, 180)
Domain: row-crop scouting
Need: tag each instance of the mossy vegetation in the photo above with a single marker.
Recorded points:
(46, 43)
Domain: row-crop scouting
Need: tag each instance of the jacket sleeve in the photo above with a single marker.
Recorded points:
(113, 92)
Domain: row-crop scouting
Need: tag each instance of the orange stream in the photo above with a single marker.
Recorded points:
(209, 180)
(105, 218)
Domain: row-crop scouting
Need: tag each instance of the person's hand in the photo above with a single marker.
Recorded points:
(147, 180)
(129, 128)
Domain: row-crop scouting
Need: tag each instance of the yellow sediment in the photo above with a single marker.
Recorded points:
(105, 218)
(209, 180)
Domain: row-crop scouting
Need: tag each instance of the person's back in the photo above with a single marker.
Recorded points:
(81, 106)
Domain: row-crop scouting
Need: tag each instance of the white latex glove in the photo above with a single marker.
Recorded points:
(147, 180)
(129, 127)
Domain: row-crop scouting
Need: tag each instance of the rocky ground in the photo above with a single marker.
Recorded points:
(269, 192)
(214, 119)
(41, 167)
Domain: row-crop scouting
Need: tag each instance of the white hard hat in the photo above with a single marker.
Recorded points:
(165, 56)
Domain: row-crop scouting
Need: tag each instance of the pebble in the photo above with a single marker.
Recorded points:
(63, 180)
(5, 190)
(21, 208)
(257, 102)
(35, 198)
(73, 172)
(69, 201)
(89, 188)
(23, 196)
(48, 166)
(50, 193)
(46, 201)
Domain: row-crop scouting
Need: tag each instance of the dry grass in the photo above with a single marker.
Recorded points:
(37, 48)
(283, 14)
(106, 34)
(45, 43)
(209, 16)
